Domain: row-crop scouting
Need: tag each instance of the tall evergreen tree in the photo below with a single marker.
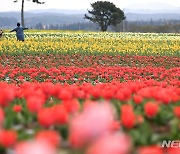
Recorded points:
(105, 13)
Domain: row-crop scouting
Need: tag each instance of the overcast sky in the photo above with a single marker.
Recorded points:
(9, 5)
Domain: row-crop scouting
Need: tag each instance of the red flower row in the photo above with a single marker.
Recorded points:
(56, 60)
(90, 74)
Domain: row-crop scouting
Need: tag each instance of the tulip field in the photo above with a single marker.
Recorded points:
(65, 92)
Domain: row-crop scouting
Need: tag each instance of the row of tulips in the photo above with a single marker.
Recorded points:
(83, 42)
(99, 74)
(128, 117)
(84, 60)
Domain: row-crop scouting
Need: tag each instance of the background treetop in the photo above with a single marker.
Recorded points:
(105, 14)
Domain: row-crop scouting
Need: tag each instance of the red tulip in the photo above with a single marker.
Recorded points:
(7, 94)
(60, 114)
(35, 103)
(173, 150)
(7, 138)
(65, 94)
(71, 106)
(177, 111)
(46, 117)
(150, 150)
(128, 117)
(138, 99)
(17, 108)
(151, 109)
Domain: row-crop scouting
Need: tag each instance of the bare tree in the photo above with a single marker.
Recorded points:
(22, 9)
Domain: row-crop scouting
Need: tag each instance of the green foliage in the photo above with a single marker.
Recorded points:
(105, 14)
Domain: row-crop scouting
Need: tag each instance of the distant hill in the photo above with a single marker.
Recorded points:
(32, 19)
(155, 16)
(46, 17)
(9, 19)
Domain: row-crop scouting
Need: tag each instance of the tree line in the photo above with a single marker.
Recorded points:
(156, 26)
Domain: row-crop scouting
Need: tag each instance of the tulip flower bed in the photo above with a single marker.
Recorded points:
(125, 115)
(46, 60)
(82, 99)
(93, 43)
(94, 75)
(87, 68)
(130, 116)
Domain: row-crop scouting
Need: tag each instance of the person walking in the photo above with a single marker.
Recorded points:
(19, 32)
